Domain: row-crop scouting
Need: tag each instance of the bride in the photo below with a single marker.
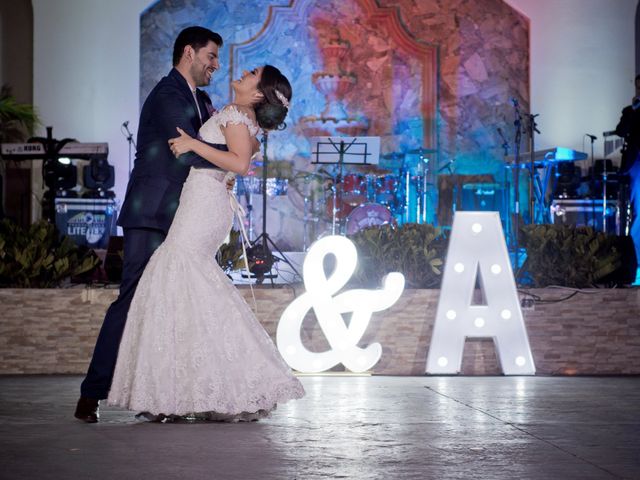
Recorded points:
(191, 344)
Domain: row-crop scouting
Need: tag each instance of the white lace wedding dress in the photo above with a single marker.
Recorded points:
(191, 343)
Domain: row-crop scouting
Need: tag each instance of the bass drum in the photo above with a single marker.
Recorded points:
(367, 215)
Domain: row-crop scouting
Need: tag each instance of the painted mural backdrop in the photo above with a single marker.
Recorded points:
(434, 74)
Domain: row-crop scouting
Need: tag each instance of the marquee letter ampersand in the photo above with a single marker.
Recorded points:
(320, 290)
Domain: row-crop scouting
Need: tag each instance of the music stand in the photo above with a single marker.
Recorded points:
(332, 151)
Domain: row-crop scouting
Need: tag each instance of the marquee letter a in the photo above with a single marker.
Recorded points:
(477, 251)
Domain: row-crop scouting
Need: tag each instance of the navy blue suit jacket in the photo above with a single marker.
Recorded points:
(156, 181)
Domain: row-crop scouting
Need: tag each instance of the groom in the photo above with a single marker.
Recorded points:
(154, 190)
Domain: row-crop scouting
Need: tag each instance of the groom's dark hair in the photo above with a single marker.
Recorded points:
(197, 37)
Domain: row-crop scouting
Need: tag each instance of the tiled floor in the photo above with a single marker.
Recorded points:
(346, 427)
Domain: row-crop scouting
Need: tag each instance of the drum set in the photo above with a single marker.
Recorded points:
(363, 199)
(347, 198)
(354, 197)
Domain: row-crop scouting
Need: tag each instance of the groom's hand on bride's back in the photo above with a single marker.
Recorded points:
(183, 144)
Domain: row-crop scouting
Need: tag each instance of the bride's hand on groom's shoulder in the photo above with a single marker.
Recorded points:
(181, 144)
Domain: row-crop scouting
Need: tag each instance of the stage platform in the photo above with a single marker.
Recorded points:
(595, 332)
(346, 427)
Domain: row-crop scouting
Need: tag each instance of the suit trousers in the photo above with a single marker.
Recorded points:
(139, 245)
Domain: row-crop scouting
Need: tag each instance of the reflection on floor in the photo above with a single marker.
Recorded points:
(345, 427)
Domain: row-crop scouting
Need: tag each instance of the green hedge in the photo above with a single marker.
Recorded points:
(38, 258)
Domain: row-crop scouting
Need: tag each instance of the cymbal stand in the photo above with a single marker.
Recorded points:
(421, 185)
(336, 197)
(604, 194)
(518, 138)
(532, 129)
(405, 174)
(336, 192)
(505, 190)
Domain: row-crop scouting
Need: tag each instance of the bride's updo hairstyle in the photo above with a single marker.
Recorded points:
(272, 109)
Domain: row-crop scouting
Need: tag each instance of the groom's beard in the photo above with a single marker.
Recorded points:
(201, 74)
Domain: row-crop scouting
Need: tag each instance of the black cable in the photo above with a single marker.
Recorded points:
(542, 301)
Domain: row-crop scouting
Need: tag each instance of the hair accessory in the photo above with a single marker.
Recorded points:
(282, 99)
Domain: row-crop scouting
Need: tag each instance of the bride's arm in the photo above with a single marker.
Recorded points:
(239, 142)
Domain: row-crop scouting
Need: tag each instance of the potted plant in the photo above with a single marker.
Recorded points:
(568, 255)
(416, 250)
(37, 257)
(17, 120)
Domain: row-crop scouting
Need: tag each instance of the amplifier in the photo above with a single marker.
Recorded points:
(89, 222)
(587, 212)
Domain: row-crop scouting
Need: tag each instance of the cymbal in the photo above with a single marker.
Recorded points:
(393, 156)
(556, 154)
(420, 151)
(372, 169)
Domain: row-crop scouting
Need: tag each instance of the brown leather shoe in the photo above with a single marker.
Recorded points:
(87, 410)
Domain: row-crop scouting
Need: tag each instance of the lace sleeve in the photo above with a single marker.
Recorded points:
(231, 115)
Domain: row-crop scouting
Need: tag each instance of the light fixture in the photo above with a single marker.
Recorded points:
(98, 178)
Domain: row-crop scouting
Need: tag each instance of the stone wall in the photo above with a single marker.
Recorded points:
(597, 332)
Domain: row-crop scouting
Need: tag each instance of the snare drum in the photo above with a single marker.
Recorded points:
(367, 215)
(342, 211)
